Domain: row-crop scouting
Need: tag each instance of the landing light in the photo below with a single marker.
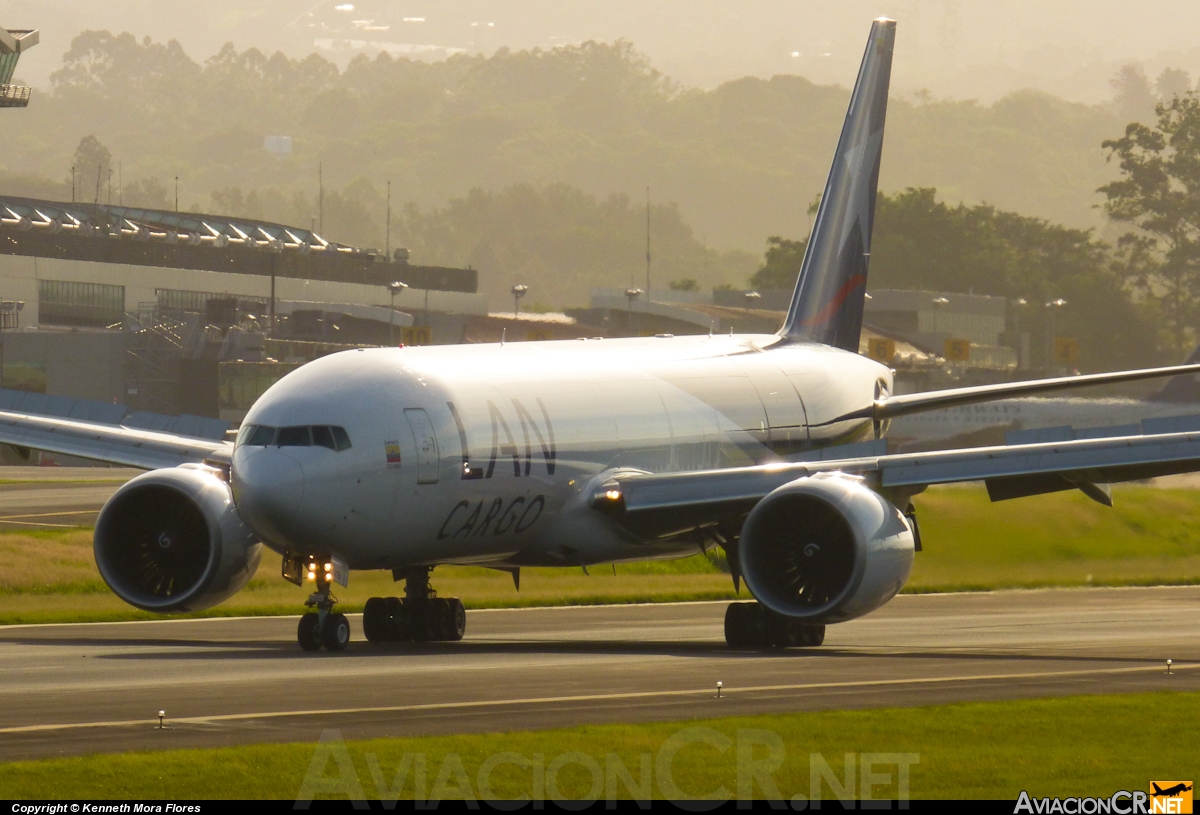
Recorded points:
(329, 567)
(613, 495)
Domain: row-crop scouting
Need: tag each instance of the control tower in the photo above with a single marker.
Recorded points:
(13, 42)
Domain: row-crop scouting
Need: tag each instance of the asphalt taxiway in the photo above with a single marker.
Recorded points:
(70, 689)
(56, 497)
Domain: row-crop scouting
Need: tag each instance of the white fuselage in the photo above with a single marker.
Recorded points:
(488, 453)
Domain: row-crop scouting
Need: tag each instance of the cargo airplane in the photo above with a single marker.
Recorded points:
(575, 453)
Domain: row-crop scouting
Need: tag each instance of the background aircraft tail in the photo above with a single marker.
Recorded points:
(827, 305)
(1184, 388)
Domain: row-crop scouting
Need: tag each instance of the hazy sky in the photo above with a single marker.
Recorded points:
(954, 48)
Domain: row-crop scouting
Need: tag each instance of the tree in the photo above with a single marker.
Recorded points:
(92, 162)
(561, 241)
(147, 192)
(1132, 94)
(1159, 194)
(1172, 82)
(921, 243)
(781, 264)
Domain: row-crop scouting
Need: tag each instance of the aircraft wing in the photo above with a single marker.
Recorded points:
(665, 503)
(113, 444)
(892, 406)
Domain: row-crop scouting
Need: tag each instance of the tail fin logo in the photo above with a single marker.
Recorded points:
(826, 314)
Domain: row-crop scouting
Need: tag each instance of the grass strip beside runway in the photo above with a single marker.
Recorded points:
(1063, 539)
(1073, 746)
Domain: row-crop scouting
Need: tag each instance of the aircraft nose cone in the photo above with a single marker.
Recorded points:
(268, 486)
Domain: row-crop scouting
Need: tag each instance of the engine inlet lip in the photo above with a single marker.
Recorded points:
(117, 577)
(751, 571)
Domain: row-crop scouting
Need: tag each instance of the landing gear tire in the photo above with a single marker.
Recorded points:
(308, 632)
(335, 633)
(427, 617)
(451, 618)
(814, 635)
(422, 621)
(743, 625)
(397, 620)
(782, 632)
(753, 626)
(377, 620)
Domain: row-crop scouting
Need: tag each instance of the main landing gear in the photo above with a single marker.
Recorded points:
(750, 625)
(421, 616)
(324, 627)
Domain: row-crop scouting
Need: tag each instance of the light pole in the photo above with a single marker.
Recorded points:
(1022, 355)
(631, 295)
(394, 288)
(1053, 306)
(518, 291)
(939, 303)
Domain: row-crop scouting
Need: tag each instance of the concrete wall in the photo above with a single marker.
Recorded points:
(83, 363)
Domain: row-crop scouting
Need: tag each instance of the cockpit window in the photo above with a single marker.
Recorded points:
(259, 435)
(295, 437)
(322, 437)
(341, 437)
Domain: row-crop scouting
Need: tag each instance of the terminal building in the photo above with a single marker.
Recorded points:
(172, 313)
(931, 339)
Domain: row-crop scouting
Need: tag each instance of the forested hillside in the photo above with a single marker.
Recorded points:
(533, 167)
(742, 161)
(921, 243)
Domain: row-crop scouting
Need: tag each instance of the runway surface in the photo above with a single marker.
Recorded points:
(69, 689)
(56, 497)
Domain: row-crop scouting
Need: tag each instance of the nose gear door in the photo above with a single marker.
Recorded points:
(428, 461)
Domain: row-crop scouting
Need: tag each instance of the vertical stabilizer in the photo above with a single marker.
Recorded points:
(1182, 389)
(827, 306)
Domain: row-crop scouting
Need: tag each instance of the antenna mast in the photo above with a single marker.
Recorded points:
(647, 244)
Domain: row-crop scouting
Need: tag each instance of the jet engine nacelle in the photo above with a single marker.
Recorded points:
(171, 540)
(825, 548)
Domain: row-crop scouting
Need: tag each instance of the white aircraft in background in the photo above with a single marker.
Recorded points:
(575, 453)
(1053, 418)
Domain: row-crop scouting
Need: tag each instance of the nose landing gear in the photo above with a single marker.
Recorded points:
(323, 628)
(421, 616)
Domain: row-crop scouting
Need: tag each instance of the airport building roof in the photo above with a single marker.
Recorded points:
(184, 240)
